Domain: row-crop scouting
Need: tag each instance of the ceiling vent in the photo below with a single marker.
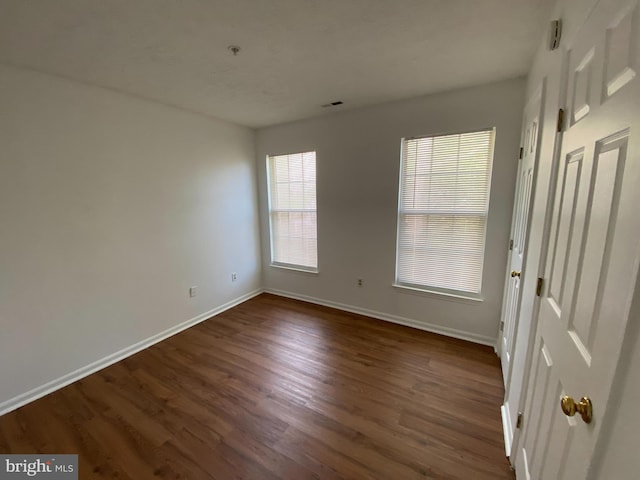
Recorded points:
(333, 104)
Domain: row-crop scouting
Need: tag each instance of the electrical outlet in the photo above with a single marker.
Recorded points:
(360, 282)
(193, 291)
(234, 277)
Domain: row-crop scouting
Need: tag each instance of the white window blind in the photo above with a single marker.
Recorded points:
(292, 210)
(442, 212)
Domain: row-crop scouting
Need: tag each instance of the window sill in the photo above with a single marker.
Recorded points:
(293, 268)
(454, 297)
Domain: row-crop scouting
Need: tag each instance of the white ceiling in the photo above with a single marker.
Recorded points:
(296, 54)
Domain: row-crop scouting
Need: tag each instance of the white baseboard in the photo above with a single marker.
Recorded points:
(49, 387)
(525, 465)
(506, 429)
(429, 327)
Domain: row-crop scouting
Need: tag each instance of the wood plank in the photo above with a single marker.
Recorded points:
(280, 389)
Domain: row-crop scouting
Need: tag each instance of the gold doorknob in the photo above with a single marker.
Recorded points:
(583, 407)
(514, 274)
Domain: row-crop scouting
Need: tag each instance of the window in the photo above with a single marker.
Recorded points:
(292, 210)
(442, 211)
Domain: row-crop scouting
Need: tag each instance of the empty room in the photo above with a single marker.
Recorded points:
(341, 239)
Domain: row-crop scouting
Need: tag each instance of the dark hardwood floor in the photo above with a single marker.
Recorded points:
(276, 388)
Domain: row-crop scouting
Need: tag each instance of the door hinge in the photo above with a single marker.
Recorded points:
(560, 124)
(520, 420)
(539, 286)
(502, 326)
(511, 244)
(555, 33)
(521, 151)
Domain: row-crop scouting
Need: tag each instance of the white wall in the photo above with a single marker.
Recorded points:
(358, 155)
(111, 207)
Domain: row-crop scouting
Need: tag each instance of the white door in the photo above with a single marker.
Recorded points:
(519, 227)
(594, 246)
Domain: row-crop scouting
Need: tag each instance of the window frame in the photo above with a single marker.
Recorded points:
(272, 261)
(431, 289)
